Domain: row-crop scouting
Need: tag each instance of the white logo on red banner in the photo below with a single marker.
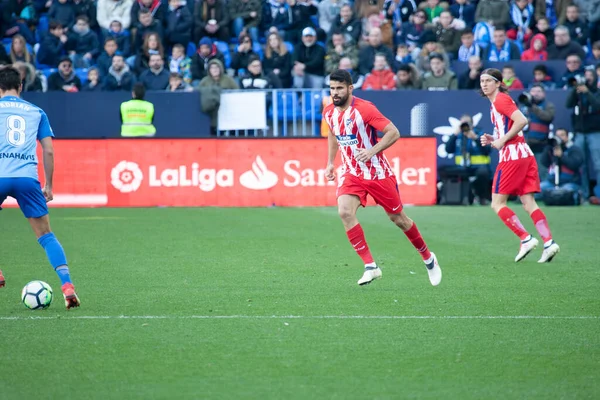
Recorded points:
(126, 177)
(259, 177)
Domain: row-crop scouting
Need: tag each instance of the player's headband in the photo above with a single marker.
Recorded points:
(490, 76)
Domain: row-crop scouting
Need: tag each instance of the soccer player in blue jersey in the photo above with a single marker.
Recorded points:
(21, 125)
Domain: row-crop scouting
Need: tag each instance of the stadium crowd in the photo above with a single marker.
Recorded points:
(75, 45)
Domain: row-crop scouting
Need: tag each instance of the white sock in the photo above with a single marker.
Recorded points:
(548, 243)
(430, 259)
(370, 265)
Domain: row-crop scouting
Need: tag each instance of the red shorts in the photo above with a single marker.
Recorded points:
(517, 177)
(383, 191)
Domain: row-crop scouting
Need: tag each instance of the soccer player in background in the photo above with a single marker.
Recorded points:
(353, 126)
(21, 125)
(517, 171)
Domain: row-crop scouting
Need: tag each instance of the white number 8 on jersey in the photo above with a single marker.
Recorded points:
(15, 132)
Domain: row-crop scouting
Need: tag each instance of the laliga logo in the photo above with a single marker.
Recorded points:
(126, 177)
(259, 177)
(447, 131)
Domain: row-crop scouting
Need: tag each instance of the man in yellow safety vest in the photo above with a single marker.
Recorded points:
(137, 115)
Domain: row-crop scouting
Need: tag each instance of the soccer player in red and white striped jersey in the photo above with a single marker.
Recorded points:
(353, 126)
(517, 171)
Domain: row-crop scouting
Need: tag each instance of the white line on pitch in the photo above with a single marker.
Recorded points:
(442, 317)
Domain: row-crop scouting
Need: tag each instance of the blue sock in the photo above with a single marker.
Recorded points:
(56, 256)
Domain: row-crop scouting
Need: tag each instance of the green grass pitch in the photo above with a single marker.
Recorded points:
(263, 304)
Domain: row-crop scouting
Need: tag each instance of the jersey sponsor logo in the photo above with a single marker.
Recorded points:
(126, 177)
(17, 156)
(259, 177)
(513, 152)
(347, 140)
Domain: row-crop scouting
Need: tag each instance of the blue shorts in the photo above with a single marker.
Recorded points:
(27, 192)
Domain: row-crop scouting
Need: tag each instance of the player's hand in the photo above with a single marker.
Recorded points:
(486, 139)
(364, 155)
(47, 191)
(330, 172)
(498, 144)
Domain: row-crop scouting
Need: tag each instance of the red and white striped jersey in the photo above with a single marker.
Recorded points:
(356, 128)
(501, 110)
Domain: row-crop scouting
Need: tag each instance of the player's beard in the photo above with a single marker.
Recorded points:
(340, 101)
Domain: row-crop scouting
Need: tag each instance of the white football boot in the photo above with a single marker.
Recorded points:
(434, 271)
(527, 246)
(371, 273)
(549, 252)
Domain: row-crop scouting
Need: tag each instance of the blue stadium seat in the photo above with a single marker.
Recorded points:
(289, 46)
(257, 48)
(224, 49)
(313, 107)
(315, 20)
(287, 102)
(6, 41)
(48, 71)
(191, 49)
(43, 24)
(82, 74)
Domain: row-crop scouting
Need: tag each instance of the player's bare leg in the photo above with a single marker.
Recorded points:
(551, 249)
(411, 231)
(510, 219)
(347, 207)
(56, 256)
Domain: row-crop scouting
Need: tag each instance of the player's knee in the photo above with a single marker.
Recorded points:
(345, 213)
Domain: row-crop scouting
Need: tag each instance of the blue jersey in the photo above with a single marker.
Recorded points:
(21, 125)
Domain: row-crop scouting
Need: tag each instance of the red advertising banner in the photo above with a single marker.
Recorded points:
(224, 173)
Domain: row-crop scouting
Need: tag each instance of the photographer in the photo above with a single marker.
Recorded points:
(564, 157)
(471, 157)
(584, 99)
(540, 114)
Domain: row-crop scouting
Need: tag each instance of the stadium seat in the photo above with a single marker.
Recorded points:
(43, 24)
(287, 103)
(82, 74)
(224, 49)
(312, 105)
(48, 71)
(6, 41)
(257, 48)
(289, 46)
(191, 49)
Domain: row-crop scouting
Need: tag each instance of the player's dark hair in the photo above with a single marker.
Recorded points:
(139, 91)
(497, 75)
(341, 75)
(10, 79)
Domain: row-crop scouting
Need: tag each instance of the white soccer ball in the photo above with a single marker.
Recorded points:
(36, 295)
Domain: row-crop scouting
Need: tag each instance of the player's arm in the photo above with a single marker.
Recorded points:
(332, 152)
(48, 157)
(390, 135)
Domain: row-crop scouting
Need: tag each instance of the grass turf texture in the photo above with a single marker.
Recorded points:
(176, 263)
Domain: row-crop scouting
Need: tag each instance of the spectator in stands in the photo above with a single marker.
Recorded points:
(493, 12)
(542, 26)
(177, 84)
(433, 9)
(156, 77)
(563, 45)
(501, 49)
(578, 30)
(52, 47)
(302, 11)
(537, 51)
(256, 78)
(407, 77)
(439, 78)
(594, 20)
(447, 35)
(152, 45)
(211, 18)
(381, 77)
(412, 32)
(277, 18)
(241, 57)
(210, 90)
(121, 37)
(403, 56)
(87, 8)
(468, 46)
(574, 68)
(29, 76)
(19, 51)
(594, 55)
(180, 63)
(377, 20)
(62, 11)
(15, 18)
(309, 62)
(568, 157)
(469, 80)
(157, 9)
(245, 15)
(83, 45)
(423, 62)
(119, 76)
(542, 78)
(329, 10)
(366, 57)
(179, 23)
(206, 52)
(357, 79)
(104, 61)
(397, 13)
(278, 60)
(147, 24)
(510, 79)
(337, 48)
(348, 24)
(521, 22)
(111, 10)
(464, 11)
(555, 14)
(65, 78)
(93, 84)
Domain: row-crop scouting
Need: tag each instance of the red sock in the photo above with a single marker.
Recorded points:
(512, 221)
(541, 224)
(416, 239)
(356, 236)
